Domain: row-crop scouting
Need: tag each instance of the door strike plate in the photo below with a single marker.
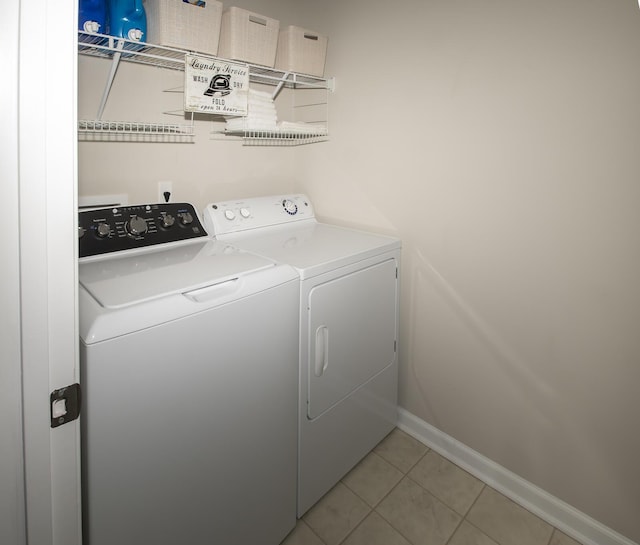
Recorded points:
(65, 404)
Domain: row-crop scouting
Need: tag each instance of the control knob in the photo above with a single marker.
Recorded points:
(185, 218)
(103, 230)
(290, 207)
(137, 226)
(168, 220)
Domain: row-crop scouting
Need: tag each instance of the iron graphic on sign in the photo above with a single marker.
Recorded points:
(214, 86)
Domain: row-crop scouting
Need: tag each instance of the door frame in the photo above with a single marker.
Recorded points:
(47, 235)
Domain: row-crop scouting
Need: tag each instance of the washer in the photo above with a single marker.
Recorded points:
(348, 328)
(189, 372)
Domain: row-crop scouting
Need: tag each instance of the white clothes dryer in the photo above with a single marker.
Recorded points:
(189, 372)
(348, 328)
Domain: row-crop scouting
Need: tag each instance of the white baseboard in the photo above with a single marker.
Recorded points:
(559, 514)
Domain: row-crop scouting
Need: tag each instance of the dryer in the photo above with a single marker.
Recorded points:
(349, 300)
(189, 383)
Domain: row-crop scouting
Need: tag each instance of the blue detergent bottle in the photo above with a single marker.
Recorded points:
(127, 19)
(92, 16)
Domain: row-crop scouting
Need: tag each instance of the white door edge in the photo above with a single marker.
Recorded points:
(12, 512)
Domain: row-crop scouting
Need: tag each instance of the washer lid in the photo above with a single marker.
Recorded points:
(313, 248)
(141, 276)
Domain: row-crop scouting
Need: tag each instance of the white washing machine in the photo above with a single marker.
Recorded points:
(189, 372)
(348, 328)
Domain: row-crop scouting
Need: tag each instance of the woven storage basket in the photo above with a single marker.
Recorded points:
(176, 23)
(301, 50)
(248, 36)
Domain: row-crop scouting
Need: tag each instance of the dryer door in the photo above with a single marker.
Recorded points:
(352, 333)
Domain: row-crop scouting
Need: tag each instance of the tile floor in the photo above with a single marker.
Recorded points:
(403, 493)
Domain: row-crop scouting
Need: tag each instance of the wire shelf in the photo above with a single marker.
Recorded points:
(251, 137)
(101, 45)
(127, 131)
(120, 49)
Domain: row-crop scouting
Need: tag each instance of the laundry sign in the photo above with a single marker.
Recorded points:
(215, 86)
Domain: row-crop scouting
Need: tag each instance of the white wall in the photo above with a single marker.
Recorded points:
(499, 140)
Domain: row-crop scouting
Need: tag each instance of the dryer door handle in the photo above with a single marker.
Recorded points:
(322, 350)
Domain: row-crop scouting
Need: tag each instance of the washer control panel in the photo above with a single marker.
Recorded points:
(227, 217)
(106, 230)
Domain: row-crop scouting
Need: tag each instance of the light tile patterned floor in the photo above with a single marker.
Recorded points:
(402, 493)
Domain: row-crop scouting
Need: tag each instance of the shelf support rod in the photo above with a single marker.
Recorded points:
(112, 74)
(277, 90)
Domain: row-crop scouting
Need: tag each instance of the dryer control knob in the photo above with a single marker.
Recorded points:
(290, 207)
(230, 214)
(137, 226)
(244, 212)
